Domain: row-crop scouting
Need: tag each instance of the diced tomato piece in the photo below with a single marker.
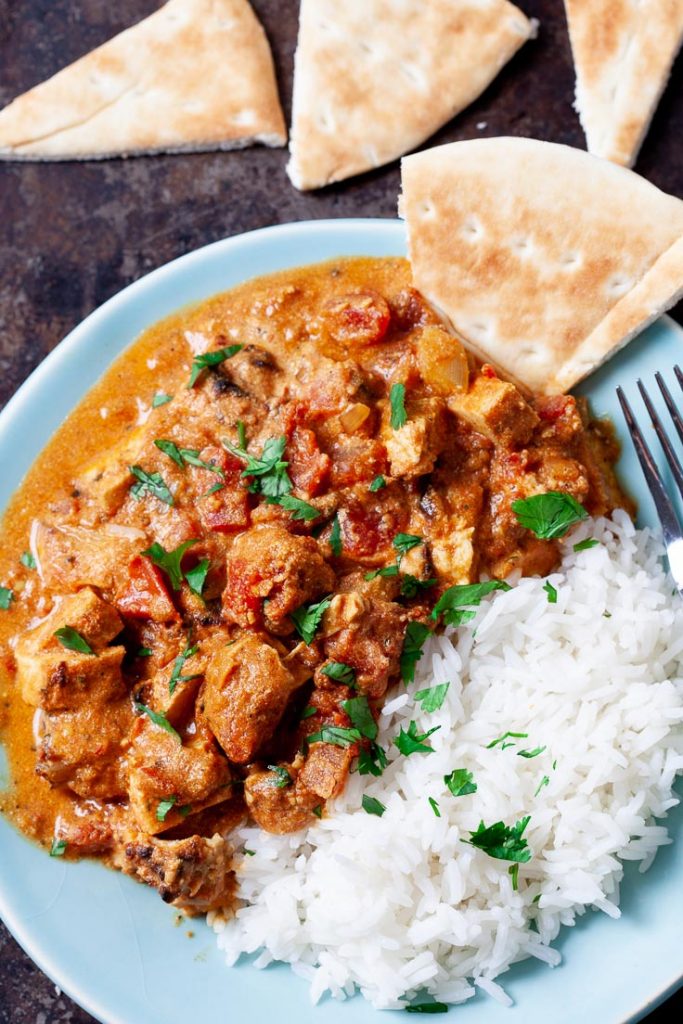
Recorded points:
(241, 601)
(359, 318)
(357, 459)
(368, 530)
(146, 595)
(551, 407)
(488, 371)
(308, 467)
(226, 510)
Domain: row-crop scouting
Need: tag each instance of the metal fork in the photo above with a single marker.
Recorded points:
(668, 517)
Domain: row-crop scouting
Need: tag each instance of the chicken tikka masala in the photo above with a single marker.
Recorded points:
(234, 546)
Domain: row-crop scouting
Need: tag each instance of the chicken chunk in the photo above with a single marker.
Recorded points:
(192, 874)
(267, 563)
(371, 644)
(414, 447)
(69, 557)
(496, 409)
(453, 512)
(245, 694)
(326, 769)
(82, 749)
(279, 809)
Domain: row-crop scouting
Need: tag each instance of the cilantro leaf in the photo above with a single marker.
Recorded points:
(161, 399)
(149, 483)
(414, 640)
(241, 434)
(372, 761)
(455, 599)
(434, 1007)
(378, 483)
(549, 515)
(299, 509)
(387, 570)
(411, 585)
(337, 735)
(73, 641)
(169, 561)
(551, 591)
(340, 672)
(308, 617)
(196, 577)
(336, 537)
(432, 698)
(358, 710)
(460, 782)
(318, 811)
(513, 872)
(170, 449)
(413, 742)
(143, 652)
(404, 542)
(502, 841)
(530, 753)
(268, 471)
(308, 712)
(58, 848)
(397, 399)
(434, 806)
(158, 718)
(28, 560)
(164, 807)
(545, 781)
(6, 598)
(178, 664)
(282, 776)
(372, 806)
(505, 736)
(584, 545)
(201, 362)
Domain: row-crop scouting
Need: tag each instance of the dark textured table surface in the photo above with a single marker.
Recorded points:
(71, 235)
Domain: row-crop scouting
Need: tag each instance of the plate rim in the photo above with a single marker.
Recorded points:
(68, 349)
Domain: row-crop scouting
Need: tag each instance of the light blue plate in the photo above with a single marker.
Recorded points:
(110, 943)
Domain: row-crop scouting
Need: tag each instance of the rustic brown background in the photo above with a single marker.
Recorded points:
(71, 235)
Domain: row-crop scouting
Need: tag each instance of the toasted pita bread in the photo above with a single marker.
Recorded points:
(623, 53)
(196, 75)
(374, 78)
(527, 246)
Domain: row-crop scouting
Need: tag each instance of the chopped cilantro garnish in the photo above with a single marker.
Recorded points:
(413, 742)
(336, 735)
(434, 806)
(551, 591)
(170, 449)
(164, 807)
(249, 853)
(179, 662)
(196, 577)
(299, 509)
(507, 736)
(161, 399)
(308, 712)
(201, 362)
(318, 811)
(372, 806)
(144, 652)
(545, 781)
(502, 841)
(513, 872)
(28, 560)
(414, 640)
(434, 1007)
(213, 490)
(404, 542)
(149, 483)
(432, 698)
(158, 718)
(340, 672)
(397, 399)
(282, 776)
(387, 570)
(584, 545)
(269, 471)
(358, 710)
(455, 600)
(530, 753)
(58, 848)
(336, 537)
(307, 619)
(549, 515)
(187, 457)
(460, 782)
(169, 561)
(241, 434)
(6, 598)
(73, 641)
(372, 761)
(411, 585)
(378, 483)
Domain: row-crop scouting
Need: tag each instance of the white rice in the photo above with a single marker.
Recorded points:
(398, 904)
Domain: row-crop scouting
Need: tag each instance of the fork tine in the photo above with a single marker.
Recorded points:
(679, 376)
(667, 448)
(673, 411)
(665, 510)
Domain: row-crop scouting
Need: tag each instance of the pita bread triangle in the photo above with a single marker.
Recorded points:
(375, 78)
(623, 54)
(545, 260)
(195, 75)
